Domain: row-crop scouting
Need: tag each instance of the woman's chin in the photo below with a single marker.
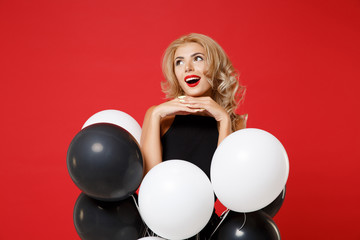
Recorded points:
(197, 93)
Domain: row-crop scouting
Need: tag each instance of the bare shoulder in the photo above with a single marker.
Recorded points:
(241, 122)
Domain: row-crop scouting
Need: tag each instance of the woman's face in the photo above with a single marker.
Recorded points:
(190, 65)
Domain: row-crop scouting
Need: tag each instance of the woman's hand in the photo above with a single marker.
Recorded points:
(206, 105)
(211, 108)
(174, 107)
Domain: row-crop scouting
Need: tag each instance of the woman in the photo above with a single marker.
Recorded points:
(203, 91)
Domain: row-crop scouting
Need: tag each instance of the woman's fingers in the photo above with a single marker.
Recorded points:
(205, 104)
(174, 107)
(197, 100)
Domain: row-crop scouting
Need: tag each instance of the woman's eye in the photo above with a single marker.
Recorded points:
(198, 58)
(178, 62)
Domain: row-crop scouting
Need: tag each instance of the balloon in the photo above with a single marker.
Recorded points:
(105, 162)
(119, 118)
(255, 226)
(249, 169)
(204, 233)
(275, 205)
(176, 199)
(151, 238)
(95, 220)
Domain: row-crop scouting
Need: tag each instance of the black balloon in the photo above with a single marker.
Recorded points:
(105, 162)
(247, 226)
(96, 220)
(275, 205)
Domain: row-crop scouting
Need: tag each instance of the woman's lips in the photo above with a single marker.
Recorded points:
(192, 80)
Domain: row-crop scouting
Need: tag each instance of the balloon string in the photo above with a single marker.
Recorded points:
(223, 216)
(243, 222)
(146, 232)
(283, 194)
(224, 212)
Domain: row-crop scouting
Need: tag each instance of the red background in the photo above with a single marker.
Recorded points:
(62, 61)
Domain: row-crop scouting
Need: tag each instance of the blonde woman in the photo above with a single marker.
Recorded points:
(203, 91)
(202, 87)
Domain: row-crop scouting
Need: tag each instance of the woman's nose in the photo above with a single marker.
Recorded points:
(188, 67)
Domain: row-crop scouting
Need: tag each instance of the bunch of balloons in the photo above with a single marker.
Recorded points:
(249, 171)
(105, 162)
(248, 174)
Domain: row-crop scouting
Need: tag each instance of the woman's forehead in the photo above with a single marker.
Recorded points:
(188, 49)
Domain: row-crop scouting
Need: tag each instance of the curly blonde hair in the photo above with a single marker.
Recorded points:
(222, 76)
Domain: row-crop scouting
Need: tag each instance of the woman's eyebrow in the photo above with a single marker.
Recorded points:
(192, 55)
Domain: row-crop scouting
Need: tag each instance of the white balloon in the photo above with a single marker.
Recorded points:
(249, 170)
(119, 118)
(151, 238)
(176, 199)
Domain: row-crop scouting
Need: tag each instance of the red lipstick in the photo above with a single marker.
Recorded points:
(192, 80)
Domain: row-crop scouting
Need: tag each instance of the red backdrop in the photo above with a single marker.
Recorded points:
(62, 61)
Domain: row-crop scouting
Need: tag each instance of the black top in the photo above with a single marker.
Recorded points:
(192, 138)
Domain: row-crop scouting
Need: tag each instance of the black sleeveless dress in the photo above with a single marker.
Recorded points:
(193, 138)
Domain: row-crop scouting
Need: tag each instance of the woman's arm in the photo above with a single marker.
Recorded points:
(224, 127)
(150, 139)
